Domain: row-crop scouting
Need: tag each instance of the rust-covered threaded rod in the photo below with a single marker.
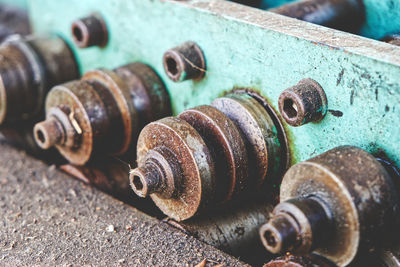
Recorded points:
(90, 31)
(30, 66)
(102, 113)
(303, 103)
(347, 15)
(334, 204)
(184, 62)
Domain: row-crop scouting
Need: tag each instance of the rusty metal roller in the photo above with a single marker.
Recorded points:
(206, 155)
(347, 15)
(337, 204)
(29, 67)
(103, 112)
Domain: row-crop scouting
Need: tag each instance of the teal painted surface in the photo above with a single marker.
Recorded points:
(265, 4)
(362, 81)
(382, 18)
(18, 3)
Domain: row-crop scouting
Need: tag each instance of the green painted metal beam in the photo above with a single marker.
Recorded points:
(246, 47)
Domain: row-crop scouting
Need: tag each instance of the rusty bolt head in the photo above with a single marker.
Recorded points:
(303, 103)
(90, 31)
(184, 62)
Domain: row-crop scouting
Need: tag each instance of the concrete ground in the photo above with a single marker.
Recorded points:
(50, 219)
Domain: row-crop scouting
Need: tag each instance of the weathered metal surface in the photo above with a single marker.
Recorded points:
(300, 261)
(338, 204)
(208, 155)
(247, 47)
(49, 219)
(347, 15)
(303, 103)
(108, 176)
(390, 257)
(90, 31)
(233, 230)
(30, 66)
(102, 113)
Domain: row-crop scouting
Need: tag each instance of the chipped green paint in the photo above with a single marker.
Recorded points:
(250, 48)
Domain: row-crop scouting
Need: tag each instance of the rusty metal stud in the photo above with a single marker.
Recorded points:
(300, 261)
(90, 31)
(215, 153)
(103, 112)
(335, 204)
(185, 62)
(303, 103)
(28, 69)
(346, 15)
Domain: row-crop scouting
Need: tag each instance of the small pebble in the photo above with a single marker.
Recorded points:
(110, 228)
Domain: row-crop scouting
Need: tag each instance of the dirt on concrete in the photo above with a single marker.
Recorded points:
(50, 219)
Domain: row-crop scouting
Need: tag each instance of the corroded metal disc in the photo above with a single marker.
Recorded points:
(227, 146)
(259, 131)
(75, 96)
(358, 190)
(196, 188)
(121, 95)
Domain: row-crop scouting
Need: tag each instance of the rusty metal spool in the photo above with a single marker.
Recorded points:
(30, 66)
(103, 112)
(207, 155)
(336, 204)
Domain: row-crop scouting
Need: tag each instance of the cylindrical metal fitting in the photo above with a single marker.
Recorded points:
(216, 153)
(346, 15)
(336, 204)
(90, 31)
(297, 226)
(303, 103)
(29, 68)
(103, 112)
(185, 62)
